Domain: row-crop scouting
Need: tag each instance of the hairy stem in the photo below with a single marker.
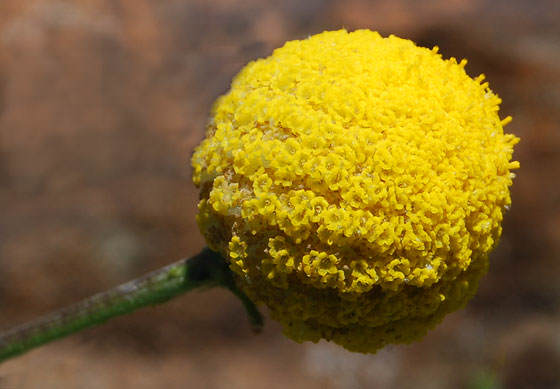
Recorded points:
(204, 269)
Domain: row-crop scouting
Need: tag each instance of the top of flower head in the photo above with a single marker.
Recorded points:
(353, 161)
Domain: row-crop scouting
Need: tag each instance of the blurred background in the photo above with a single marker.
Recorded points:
(101, 105)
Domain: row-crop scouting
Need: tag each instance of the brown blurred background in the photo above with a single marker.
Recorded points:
(101, 105)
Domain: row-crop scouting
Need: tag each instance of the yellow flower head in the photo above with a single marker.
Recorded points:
(356, 184)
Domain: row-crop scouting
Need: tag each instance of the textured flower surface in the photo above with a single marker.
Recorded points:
(356, 184)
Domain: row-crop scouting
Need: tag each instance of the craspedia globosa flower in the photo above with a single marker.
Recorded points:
(356, 185)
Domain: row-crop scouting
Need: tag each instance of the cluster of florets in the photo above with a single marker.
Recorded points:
(356, 185)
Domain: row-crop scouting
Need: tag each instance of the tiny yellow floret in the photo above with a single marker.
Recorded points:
(356, 184)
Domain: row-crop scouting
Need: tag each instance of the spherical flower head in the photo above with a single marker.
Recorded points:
(356, 185)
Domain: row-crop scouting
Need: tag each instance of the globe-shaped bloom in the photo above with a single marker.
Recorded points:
(356, 185)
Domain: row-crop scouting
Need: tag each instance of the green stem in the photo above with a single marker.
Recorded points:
(204, 269)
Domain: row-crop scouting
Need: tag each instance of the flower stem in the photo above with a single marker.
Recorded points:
(205, 269)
